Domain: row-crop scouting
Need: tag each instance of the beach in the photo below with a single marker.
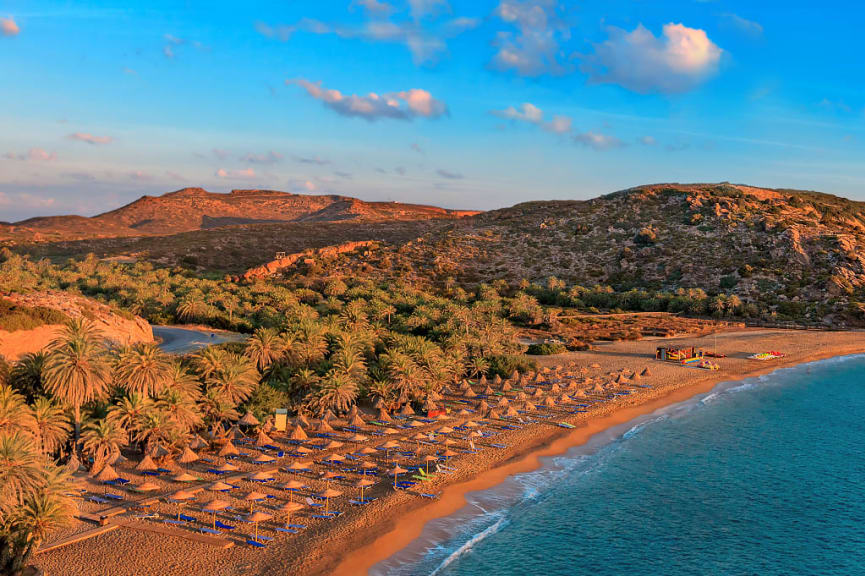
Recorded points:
(365, 535)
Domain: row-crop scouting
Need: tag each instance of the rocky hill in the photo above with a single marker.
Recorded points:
(788, 249)
(47, 312)
(193, 209)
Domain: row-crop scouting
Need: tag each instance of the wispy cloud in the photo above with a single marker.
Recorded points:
(404, 105)
(423, 34)
(678, 61)
(32, 155)
(245, 174)
(266, 158)
(25, 200)
(528, 112)
(449, 175)
(90, 138)
(311, 160)
(736, 22)
(416, 148)
(597, 140)
(533, 50)
(8, 27)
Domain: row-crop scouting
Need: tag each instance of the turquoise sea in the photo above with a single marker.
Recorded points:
(760, 477)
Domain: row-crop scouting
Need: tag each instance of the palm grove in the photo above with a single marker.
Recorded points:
(82, 400)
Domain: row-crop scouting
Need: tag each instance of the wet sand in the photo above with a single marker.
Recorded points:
(363, 536)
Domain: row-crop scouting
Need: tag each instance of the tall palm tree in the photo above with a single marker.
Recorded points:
(15, 414)
(336, 393)
(143, 369)
(102, 438)
(209, 361)
(265, 347)
(311, 344)
(52, 425)
(237, 379)
(26, 375)
(76, 369)
(128, 414)
(350, 364)
(182, 381)
(21, 466)
(180, 408)
(192, 307)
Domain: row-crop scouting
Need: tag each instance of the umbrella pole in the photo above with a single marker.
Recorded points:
(326, 505)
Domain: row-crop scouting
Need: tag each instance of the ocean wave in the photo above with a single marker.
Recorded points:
(634, 430)
(470, 543)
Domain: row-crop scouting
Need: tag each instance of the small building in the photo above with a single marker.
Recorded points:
(280, 419)
(670, 354)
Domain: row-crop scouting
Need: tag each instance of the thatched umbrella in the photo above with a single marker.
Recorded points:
(261, 476)
(227, 467)
(515, 375)
(493, 414)
(299, 465)
(448, 453)
(383, 416)
(107, 474)
(334, 458)
(397, 470)
(445, 430)
(442, 416)
(463, 412)
(469, 393)
(358, 438)
(388, 446)
(388, 431)
(328, 415)
(220, 487)
(303, 450)
(482, 406)
(147, 464)
(555, 389)
(521, 396)
(483, 380)
(489, 391)
(253, 497)
(288, 509)
(356, 421)
(257, 517)
(497, 379)
(179, 498)
(366, 451)
(264, 459)
(214, 506)
(503, 403)
(332, 445)
(300, 420)
(297, 433)
(538, 393)
(229, 449)
(362, 484)
(263, 439)
(235, 433)
(353, 410)
(416, 424)
(464, 385)
(185, 477)
(506, 386)
(367, 465)
(327, 495)
(511, 412)
(549, 402)
(188, 457)
(407, 410)
(429, 458)
(323, 426)
(249, 419)
(146, 486)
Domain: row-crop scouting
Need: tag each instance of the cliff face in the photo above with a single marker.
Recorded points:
(290, 260)
(117, 329)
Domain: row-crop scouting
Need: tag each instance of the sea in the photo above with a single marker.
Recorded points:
(760, 477)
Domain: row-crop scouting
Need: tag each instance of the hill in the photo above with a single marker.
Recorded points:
(192, 209)
(795, 254)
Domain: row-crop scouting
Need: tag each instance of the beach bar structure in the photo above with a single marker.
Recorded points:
(683, 355)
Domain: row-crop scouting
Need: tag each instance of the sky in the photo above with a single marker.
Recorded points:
(465, 104)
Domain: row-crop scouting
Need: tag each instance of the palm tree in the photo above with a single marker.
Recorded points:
(336, 392)
(265, 347)
(26, 375)
(180, 380)
(15, 414)
(128, 414)
(402, 372)
(237, 379)
(101, 439)
(210, 361)
(180, 408)
(349, 363)
(76, 368)
(192, 307)
(216, 410)
(311, 345)
(52, 425)
(143, 369)
(32, 503)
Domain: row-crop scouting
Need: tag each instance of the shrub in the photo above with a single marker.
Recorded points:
(505, 364)
(546, 348)
(15, 317)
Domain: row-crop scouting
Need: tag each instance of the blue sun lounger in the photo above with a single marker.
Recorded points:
(286, 530)
(255, 544)
(222, 526)
(206, 530)
(98, 500)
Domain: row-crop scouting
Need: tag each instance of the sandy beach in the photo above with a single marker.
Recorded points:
(364, 535)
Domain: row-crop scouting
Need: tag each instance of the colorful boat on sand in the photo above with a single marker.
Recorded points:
(766, 356)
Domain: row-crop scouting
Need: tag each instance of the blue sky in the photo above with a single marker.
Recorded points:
(473, 104)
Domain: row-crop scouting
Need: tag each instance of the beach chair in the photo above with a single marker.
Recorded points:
(222, 526)
(286, 530)
(98, 500)
(113, 496)
(185, 518)
(207, 530)
(427, 495)
(255, 544)
(174, 522)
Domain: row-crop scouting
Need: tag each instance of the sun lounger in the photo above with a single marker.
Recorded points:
(114, 496)
(163, 470)
(430, 496)
(287, 530)
(148, 516)
(186, 518)
(222, 526)
(174, 522)
(498, 445)
(328, 516)
(207, 530)
(98, 500)
(255, 544)
(217, 472)
(297, 526)
(360, 502)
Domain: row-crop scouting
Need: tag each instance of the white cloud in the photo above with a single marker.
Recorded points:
(373, 7)
(246, 174)
(8, 27)
(90, 138)
(678, 61)
(597, 140)
(32, 155)
(312, 160)
(422, 8)
(648, 141)
(404, 105)
(25, 200)
(528, 112)
(749, 27)
(140, 176)
(534, 49)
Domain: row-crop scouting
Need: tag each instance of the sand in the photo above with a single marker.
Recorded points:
(363, 536)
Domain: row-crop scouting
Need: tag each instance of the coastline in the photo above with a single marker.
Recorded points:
(409, 528)
(364, 536)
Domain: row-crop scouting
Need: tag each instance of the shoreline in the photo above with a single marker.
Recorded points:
(409, 528)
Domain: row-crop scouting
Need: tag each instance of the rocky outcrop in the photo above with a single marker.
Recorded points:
(117, 329)
(290, 260)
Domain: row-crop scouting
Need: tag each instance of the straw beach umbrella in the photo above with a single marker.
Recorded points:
(397, 470)
(220, 487)
(249, 419)
(429, 458)
(264, 459)
(256, 518)
(179, 498)
(229, 449)
(362, 484)
(383, 416)
(147, 464)
(291, 487)
(185, 477)
(356, 421)
(261, 476)
(327, 495)
(146, 486)
(214, 506)
(297, 433)
(288, 509)
(253, 497)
